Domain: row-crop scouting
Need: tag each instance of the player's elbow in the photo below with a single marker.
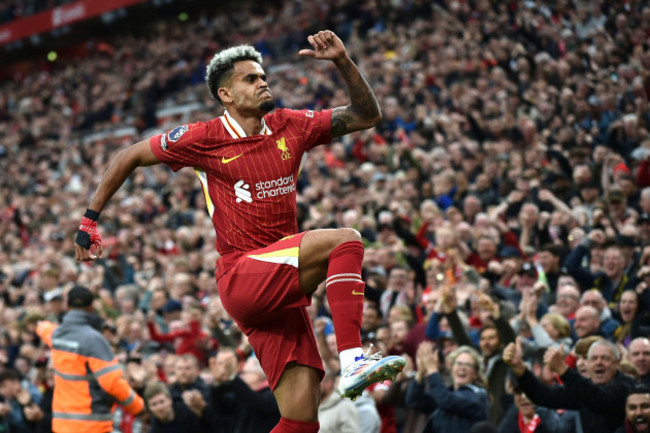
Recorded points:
(377, 119)
(374, 120)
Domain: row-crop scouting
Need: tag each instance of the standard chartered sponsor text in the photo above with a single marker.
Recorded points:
(275, 187)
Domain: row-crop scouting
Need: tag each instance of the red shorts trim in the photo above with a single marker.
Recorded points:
(262, 294)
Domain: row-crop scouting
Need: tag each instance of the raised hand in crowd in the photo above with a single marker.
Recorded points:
(487, 304)
(33, 413)
(528, 306)
(500, 225)
(426, 359)
(644, 276)
(576, 235)
(194, 400)
(513, 356)
(546, 195)
(495, 267)
(515, 196)
(597, 236)
(447, 302)
(554, 359)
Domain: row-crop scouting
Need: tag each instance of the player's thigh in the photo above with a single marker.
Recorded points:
(256, 291)
(315, 248)
(298, 393)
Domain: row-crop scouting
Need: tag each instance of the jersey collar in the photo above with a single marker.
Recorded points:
(235, 130)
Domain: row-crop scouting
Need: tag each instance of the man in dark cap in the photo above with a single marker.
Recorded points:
(172, 310)
(89, 379)
(80, 297)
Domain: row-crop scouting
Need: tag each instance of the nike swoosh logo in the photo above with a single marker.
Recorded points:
(354, 292)
(227, 160)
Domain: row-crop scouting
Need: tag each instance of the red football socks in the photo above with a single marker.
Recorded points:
(345, 290)
(292, 426)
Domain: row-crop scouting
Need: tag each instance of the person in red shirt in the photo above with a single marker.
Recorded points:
(187, 338)
(248, 161)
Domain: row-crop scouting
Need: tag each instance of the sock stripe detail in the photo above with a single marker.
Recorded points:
(342, 280)
(358, 276)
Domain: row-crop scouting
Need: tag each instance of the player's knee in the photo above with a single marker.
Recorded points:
(349, 235)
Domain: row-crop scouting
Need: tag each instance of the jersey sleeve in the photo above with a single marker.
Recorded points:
(180, 147)
(314, 126)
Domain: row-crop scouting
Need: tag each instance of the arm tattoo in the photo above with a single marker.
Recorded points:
(341, 118)
(363, 111)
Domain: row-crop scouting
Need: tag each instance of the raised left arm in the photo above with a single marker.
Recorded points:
(363, 112)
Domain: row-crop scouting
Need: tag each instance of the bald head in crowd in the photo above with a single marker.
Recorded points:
(587, 321)
(640, 357)
(568, 300)
(594, 298)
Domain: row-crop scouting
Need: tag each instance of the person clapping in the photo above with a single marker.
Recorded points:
(456, 408)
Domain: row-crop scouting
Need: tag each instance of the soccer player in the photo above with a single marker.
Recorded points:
(248, 161)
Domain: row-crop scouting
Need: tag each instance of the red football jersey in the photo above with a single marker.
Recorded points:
(249, 182)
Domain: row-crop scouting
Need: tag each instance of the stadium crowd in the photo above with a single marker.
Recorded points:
(504, 202)
(14, 9)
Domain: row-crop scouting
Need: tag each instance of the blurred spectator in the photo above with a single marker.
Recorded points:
(525, 416)
(632, 309)
(568, 301)
(587, 322)
(599, 399)
(242, 398)
(370, 321)
(335, 413)
(453, 409)
(187, 379)
(637, 411)
(19, 409)
(169, 415)
(493, 337)
(369, 420)
(612, 280)
(639, 354)
(594, 298)
(186, 335)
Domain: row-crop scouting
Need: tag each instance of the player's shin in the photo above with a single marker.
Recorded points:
(345, 290)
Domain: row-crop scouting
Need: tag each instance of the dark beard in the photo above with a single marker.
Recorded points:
(267, 105)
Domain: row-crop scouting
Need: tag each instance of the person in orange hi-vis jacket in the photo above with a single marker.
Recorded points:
(88, 382)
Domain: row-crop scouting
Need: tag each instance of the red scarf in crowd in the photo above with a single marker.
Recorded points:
(528, 427)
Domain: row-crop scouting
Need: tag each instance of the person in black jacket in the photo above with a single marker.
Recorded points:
(169, 415)
(187, 378)
(600, 399)
(243, 401)
(455, 409)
